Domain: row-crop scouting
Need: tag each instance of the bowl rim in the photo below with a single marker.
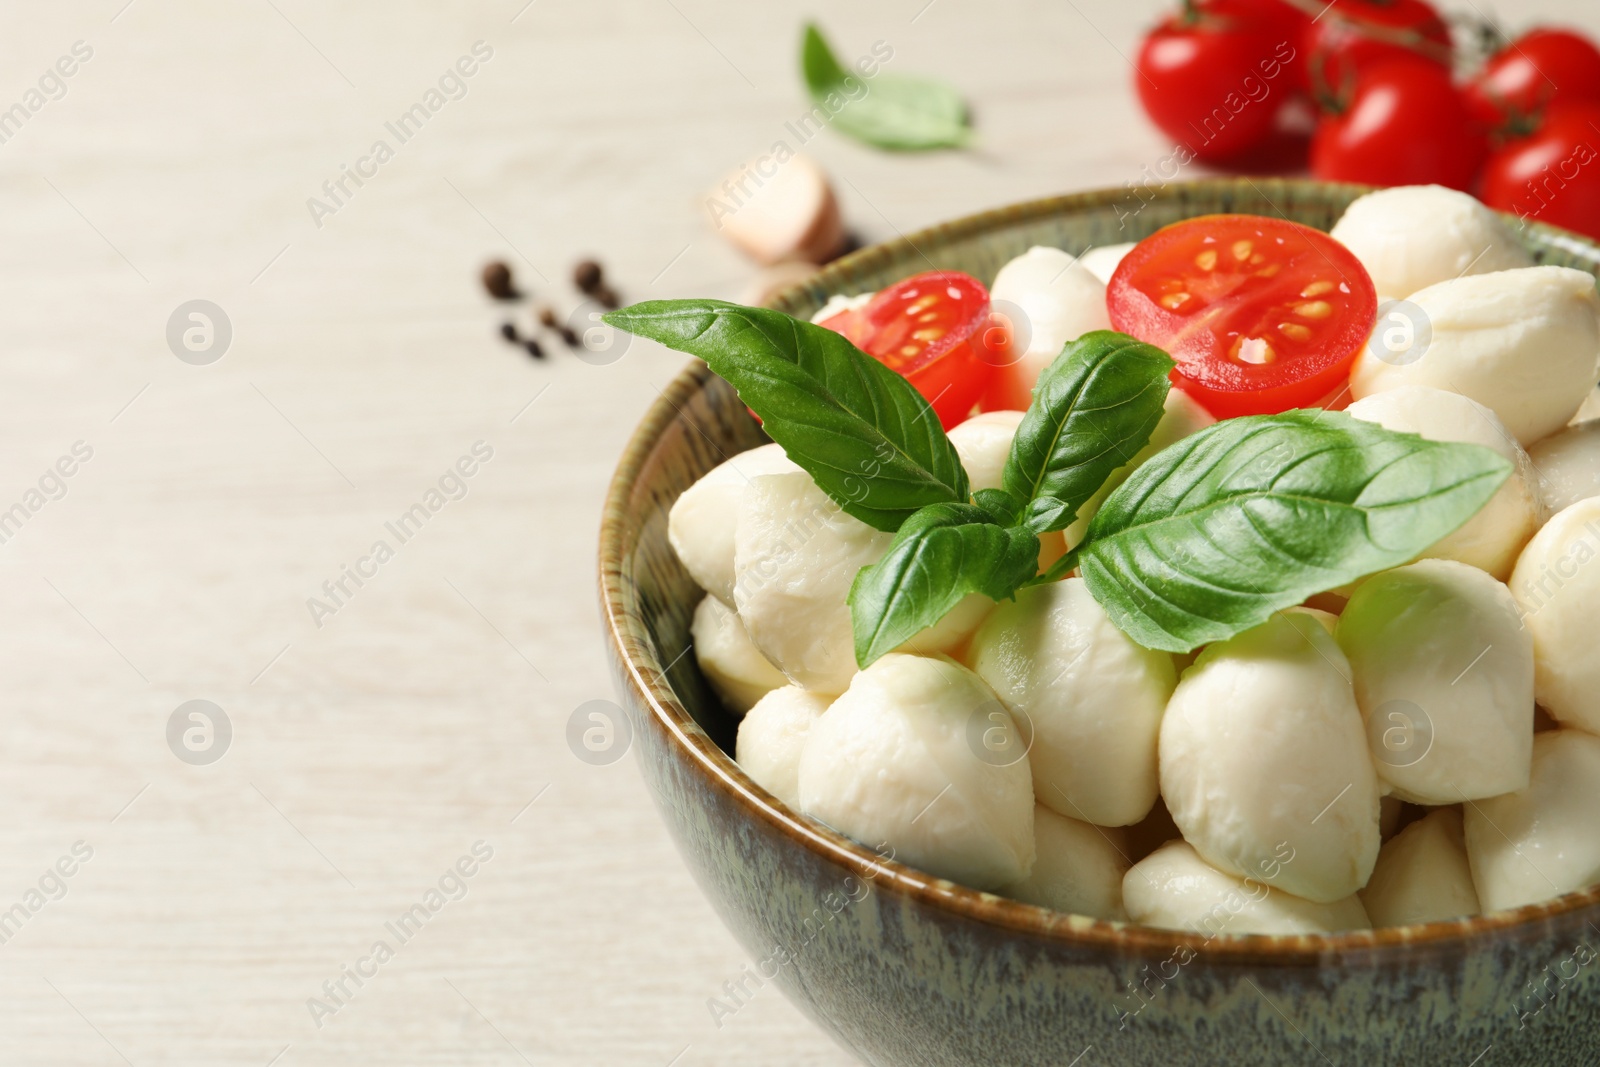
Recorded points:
(643, 673)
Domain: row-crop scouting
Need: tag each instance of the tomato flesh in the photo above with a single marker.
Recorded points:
(931, 328)
(1262, 315)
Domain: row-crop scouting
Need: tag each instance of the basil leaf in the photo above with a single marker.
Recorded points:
(940, 555)
(1001, 506)
(888, 111)
(863, 433)
(1252, 515)
(1093, 409)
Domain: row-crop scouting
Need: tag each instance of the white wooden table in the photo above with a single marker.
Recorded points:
(427, 712)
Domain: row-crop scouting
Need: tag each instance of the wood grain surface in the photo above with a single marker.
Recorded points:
(423, 712)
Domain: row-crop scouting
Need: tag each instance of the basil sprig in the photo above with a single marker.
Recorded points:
(894, 111)
(1204, 540)
(863, 433)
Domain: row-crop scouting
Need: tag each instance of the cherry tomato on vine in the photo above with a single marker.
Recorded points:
(1351, 36)
(1261, 314)
(1542, 67)
(1214, 75)
(932, 328)
(1553, 174)
(1289, 25)
(1405, 124)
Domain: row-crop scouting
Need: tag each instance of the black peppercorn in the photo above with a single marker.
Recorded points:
(534, 348)
(509, 331)
(497, 281)
(587, 276)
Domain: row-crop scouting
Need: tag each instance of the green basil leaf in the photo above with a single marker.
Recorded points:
(1093, 409)
(940, 555)
(1252, 515)
(897, 112)
(1001, 506)
(863, 433)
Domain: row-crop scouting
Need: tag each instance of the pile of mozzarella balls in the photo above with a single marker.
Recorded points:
(1421, 745)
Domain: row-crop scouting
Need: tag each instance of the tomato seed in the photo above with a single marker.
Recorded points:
(1254, 350)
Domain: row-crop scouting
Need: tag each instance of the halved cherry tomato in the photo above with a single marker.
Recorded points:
(1261, 315)
(931, 328)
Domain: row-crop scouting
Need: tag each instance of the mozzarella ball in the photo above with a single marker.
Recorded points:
(1263, 750)
(701, 522)
(772, 736)
(1569, 465)
(1590, 408)
(1049, 300)
(1523, 343)
(898, 761)
(1092, 697)
(1175, 889)
(1557, 586)
(1493, 537)
(1543, 841)
(736, 669)
(1103, 261)
(1422, 875)
(1077, 868)
(1443, 673)
(1326, 619)
(1415, 236)
(1181, 416)
(984, 442)
(795, 555)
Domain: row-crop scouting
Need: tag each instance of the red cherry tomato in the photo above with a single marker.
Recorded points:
(1289, 25)
(1261, 315)
(1542, 67)
(1351, 36)
(1552, 175)
(1405, 125)
(931, 328)
(1213, 76)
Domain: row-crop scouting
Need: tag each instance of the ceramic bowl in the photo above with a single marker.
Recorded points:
(906, 969)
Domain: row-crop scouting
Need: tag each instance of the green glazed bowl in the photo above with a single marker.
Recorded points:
(906, 969)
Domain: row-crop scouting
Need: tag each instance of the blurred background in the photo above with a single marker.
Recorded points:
(244, 347)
